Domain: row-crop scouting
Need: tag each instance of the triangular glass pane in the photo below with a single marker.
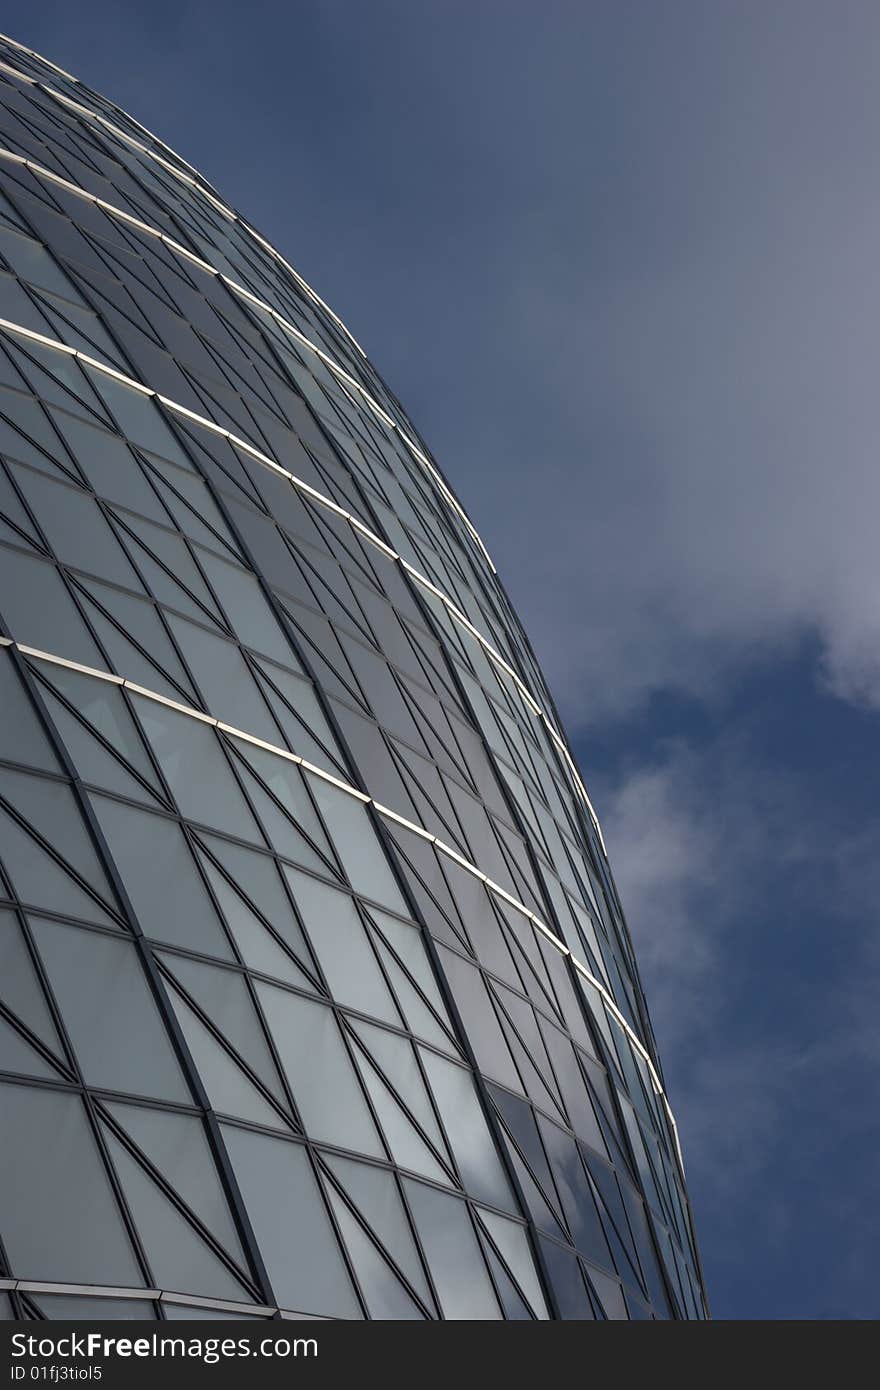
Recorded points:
(285, 782)
(94, 763)
(20, 988)
(109, 466)
(226, 683)
(51, 809)
(340, 943)
(385, 1296)
(185, 517)
(103, 706)
(456, 1262)
(409, 1149)
(418, 1017)
(406, 941)
(177, 1146)
(375, 1195)
(22, 737)
(11, 508)
(28, 418)
(534, 1082)
(257, 877)
(196, 768)
(223, 996)
(246, 606)
(465, 1124)
(47, 1136)
(57, 379)
(109, 1011)
(290, 1222)
(259, 948)
(169, 898)
(513, 1243)
(358, 845)
(178, 1257)
(395, 1058)
(160, 668)
(139, 417)
(168, 568)
(229, 1090)
(39, 880)
(610, 1295)
(581, 1115)
(531, 1043)
(515, 1308)
(575, 1194)
(9, 533)
(17, 1055)
(299, 738)
(317, 1064)
(568, 1285)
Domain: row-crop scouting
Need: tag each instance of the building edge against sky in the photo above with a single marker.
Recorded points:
(317, 993)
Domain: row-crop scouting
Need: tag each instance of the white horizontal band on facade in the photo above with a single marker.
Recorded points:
(50, 1287)
(39, 171)
(243, 445)
(193, 182)
(440, 845)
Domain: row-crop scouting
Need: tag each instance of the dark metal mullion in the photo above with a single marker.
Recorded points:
(599, 1044)
(410, 1115)
(213, 1027)
(384, 840)
(171, 1194)
(404, 970)
(333, 723)
(129, 1224)
(166, 1012)
(331, 1179)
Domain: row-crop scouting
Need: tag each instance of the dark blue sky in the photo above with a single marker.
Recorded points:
(619, 261)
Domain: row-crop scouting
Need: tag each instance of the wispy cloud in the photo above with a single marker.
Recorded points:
(756, 921)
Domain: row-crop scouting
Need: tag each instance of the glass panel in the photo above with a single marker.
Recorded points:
(178, 1257)
(319, 1071)
(513, 1244)
(20, 988)
(138, 417)
(109, 466)
(223, 996)
(61, 1307)
(337, 934)
(109, 1011)
(176, 1144)
(374, 1193)
(160, 877)
(227, 687)
(50, 807)
(245, 606)
(22, 738)
(383, 1291)
(229, 1089)
(454, 1257)
(38, 610)
(195, 768)
(76, 528)
(465, 1123)
(291, 1224)
(49, 1151)
(357, 845)
(103, 706)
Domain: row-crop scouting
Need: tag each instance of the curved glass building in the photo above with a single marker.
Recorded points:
(316, 995)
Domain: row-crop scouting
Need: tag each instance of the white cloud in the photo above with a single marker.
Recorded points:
(706, 846)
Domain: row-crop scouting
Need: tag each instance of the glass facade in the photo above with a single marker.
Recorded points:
(316, 994)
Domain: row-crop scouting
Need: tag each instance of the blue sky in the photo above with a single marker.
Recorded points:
(619, 261)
